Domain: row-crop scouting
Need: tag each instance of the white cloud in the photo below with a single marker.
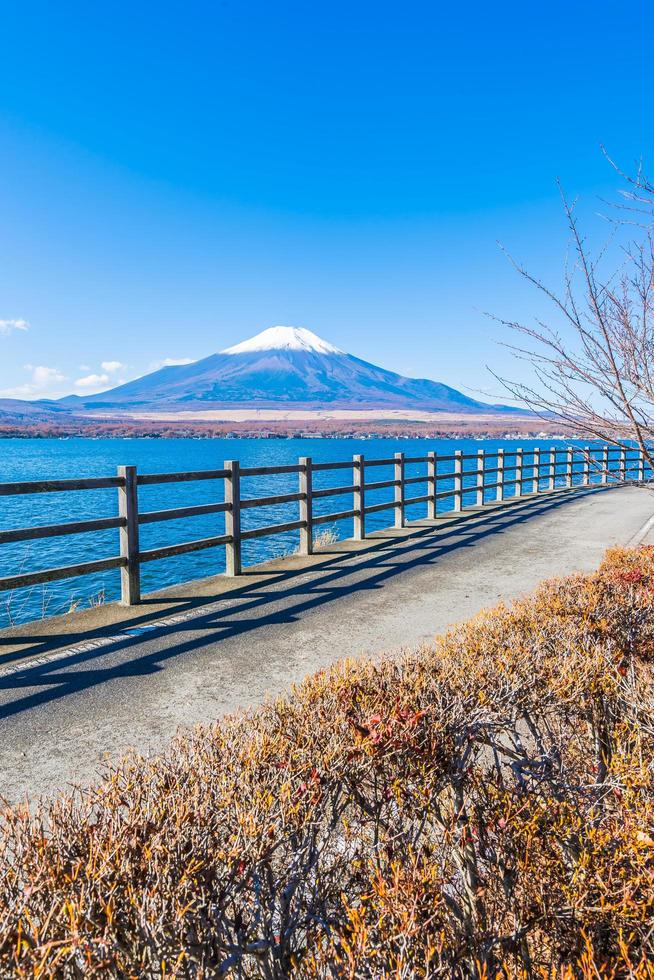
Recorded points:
(170, 362)
(6, 326)
(110, 367)
(97, 381)
(20, 391)
(43, 379)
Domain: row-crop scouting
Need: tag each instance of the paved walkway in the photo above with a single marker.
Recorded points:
(80, 688)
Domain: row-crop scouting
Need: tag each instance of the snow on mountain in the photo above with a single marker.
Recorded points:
(284, 338)
(282, 367)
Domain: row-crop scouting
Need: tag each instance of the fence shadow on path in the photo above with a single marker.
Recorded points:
(287, 595)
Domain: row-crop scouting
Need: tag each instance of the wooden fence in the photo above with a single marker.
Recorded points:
(516, 473)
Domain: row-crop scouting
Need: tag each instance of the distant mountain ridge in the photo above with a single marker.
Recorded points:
(19, 410)
(282, 367)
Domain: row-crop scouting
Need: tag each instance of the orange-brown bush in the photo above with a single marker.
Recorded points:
(480, 807)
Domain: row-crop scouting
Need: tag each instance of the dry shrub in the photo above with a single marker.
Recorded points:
(478, 808)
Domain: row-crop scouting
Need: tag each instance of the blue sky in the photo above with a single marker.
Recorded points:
(176, 177)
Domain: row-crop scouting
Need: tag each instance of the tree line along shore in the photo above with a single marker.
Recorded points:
(127, 428)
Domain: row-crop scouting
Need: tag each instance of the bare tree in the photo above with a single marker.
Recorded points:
(594, 371)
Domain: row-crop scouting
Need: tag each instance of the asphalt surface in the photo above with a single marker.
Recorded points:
(76, 693)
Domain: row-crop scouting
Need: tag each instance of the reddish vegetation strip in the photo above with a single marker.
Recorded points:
(481, 807)
(447, 428)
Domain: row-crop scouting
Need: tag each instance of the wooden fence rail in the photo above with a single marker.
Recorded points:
(524, 472)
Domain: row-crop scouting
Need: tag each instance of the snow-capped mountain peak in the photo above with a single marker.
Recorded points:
(284, 338)
(284, 367)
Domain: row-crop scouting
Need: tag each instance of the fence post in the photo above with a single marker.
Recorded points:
(641, 466)
(128, 507)
(586, 469)
(306, 506)
(481, 466)
(605, 464)
(458, 480)
(399, 489)
(359, 473)
(623, 464)
(569, 457)
(535, 483)
(552, 480)
(431, 486)
(518, 472)
(500, 475)
(233, 518)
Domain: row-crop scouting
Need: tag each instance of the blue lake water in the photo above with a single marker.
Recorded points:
(53, 459)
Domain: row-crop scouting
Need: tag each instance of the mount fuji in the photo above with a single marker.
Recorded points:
(282, 367)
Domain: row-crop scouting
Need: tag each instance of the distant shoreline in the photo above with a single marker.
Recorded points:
(313, 426)
(286, 435)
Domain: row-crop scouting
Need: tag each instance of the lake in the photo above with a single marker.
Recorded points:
(53, 459)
